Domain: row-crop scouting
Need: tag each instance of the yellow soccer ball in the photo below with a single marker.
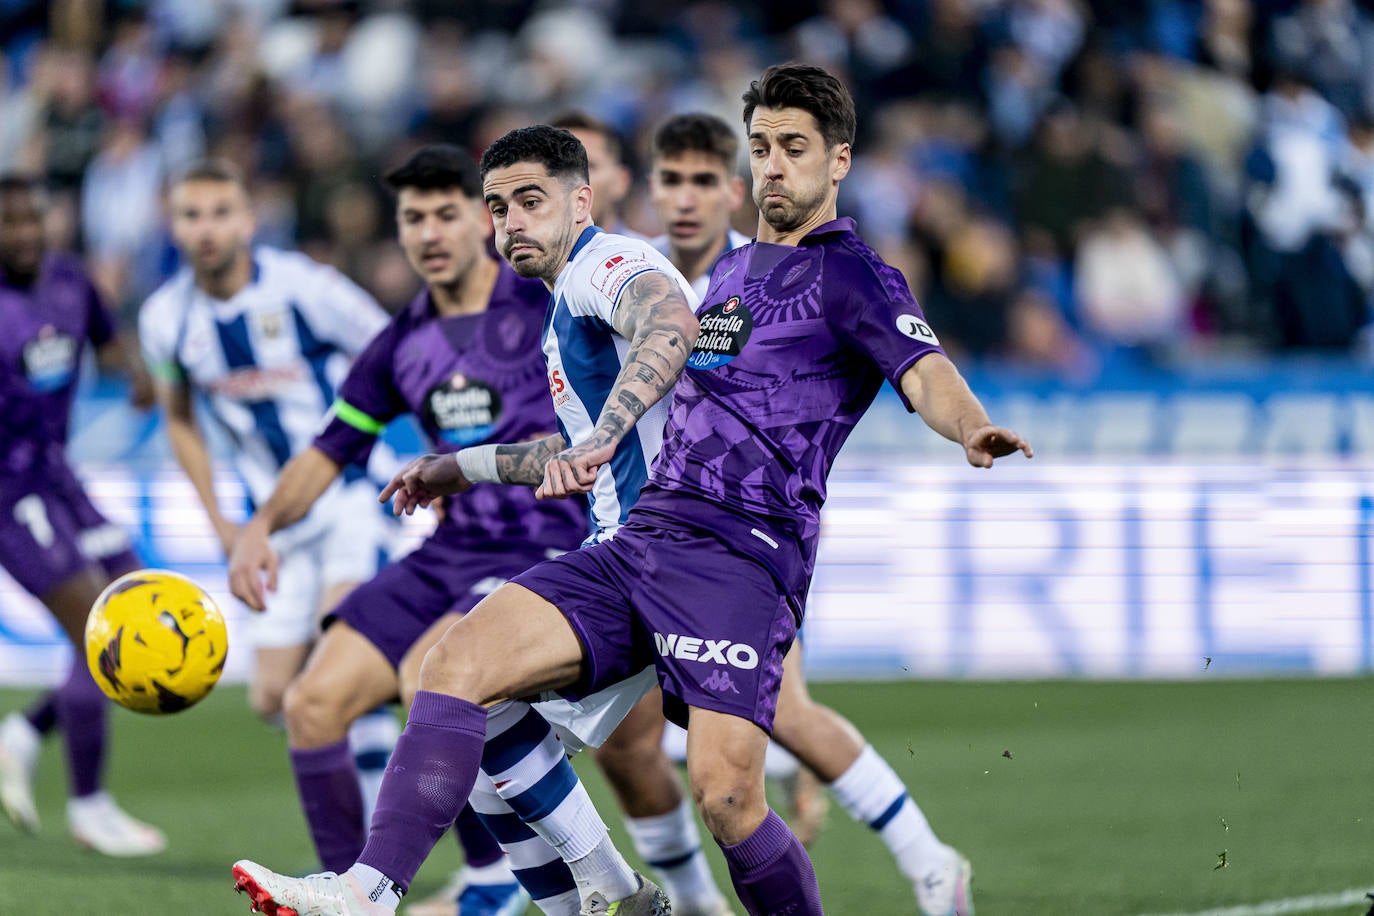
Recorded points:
(155, 641)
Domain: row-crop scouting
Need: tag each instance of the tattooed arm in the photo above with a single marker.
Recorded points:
(524, 462)
(655, 317)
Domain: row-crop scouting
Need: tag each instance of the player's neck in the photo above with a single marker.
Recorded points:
(470, 294)
(227, 283)
(694, 264)
(793, 237)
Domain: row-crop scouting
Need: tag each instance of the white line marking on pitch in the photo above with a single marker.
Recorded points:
(1314, 903)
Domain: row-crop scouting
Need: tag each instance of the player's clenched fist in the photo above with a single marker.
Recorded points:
(424, 480)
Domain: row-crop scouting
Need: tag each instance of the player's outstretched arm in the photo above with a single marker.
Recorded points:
(431, 477)
(655, 316)
(301, 483)
(943, 399)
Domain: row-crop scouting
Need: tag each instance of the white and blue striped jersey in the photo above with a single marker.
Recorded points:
(269, 359)
(702, 283)
(585, 355)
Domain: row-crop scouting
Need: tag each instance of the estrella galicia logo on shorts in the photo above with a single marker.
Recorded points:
(725, 329)
(463, 409)
(708, 651)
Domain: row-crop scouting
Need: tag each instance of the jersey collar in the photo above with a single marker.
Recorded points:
(587, 235)
(842, 224)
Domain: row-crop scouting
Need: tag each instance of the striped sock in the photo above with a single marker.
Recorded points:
(671, 846)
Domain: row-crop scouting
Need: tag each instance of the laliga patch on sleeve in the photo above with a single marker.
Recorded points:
(610, 276)
(917, 329)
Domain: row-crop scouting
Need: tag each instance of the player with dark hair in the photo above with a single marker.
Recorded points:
(708, 575)
(695, 188)
(464, 358)
(53, 541)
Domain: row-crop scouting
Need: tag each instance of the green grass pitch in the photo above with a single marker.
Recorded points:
(1116, 799)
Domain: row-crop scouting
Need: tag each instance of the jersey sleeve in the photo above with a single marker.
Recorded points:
(341, 311)
(875, 312)
(367, 400)
(609, 275)
(157, 335)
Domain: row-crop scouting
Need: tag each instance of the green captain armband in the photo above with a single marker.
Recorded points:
(356, 418)
(167, 372)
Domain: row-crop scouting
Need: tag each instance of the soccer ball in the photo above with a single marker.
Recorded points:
(155, 641)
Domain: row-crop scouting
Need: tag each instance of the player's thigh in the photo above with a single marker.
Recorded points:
(345, 677)
(71, 600)
(514, 643)
(411, 662)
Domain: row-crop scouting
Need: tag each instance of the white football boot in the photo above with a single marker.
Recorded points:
(96, 822)
(325, 894)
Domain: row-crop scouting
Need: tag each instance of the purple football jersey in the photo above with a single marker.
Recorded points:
(46, 329)
(794, 344)
(469, 380)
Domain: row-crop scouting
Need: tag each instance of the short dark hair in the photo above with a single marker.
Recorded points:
(211, 170)
(809, 88)
(576, 119)
(436, 167)
(697, 132)
(552, 147)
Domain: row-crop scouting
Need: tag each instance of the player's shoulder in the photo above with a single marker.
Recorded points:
(608, 262)
(280, 265)
(173, 295)
(851, 264)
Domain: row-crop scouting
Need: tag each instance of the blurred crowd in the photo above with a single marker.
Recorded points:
(1067, 184)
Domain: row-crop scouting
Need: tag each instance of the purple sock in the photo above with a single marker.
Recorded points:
(427, 783)
(772, 873)
(327, 780)
(81, 711)
(42, 715)
(479, 846)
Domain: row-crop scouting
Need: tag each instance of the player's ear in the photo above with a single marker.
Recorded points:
(736, 191)
(839, 158)
(582, 203)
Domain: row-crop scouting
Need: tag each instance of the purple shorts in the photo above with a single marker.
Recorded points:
(709, 597)
(441, 576)
(50, 531)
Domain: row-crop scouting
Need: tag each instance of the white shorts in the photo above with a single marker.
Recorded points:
(591, 719)
(344, 540)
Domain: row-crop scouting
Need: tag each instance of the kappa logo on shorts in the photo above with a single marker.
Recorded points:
(712, 651)
(719, 681)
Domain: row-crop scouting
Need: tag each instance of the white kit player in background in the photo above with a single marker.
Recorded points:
(262, 338)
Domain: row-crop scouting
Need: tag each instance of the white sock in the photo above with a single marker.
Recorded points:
(603, 869)
(872, 792)
(778, 763)
(21, 739)
(372, 738)
(671, 845)
(379, 888)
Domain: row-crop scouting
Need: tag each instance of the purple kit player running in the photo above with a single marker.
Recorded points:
(52, 540)
(464, 358)
(708, 576)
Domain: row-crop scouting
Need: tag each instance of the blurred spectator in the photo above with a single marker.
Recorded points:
(1332, 41)
(72, 122)
(1128, 292)
(125, 178)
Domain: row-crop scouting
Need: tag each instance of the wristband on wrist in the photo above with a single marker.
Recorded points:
(478, 463)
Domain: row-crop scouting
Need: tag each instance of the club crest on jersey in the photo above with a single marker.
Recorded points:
(271, 324)
(50, 359)
(613, 274)
(463, 409)
(725, 329)
(917, 329)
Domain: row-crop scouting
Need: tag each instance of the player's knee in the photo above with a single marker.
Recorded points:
(314, 716)
(265, 696)
(449, 668)
(730, 798)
